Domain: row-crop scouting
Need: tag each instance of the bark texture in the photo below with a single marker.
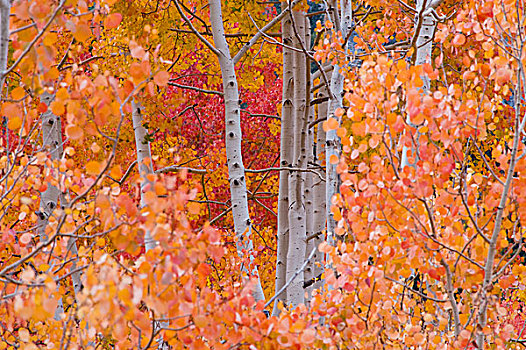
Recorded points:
(319, 200)
(333, 145)
(236, 168)
(52, 143)
(286, 153)
(425, 27)
(144, 162)
(309, 177)
(297, 214)
(49, 199)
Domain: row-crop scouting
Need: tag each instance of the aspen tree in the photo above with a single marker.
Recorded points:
(236, 168)
(297, 215)
(343, 24)
(144, 163)
(319, 203)
(309, 176)
(286, 150)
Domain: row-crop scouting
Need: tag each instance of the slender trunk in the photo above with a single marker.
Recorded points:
(236, 169)
(51, 142)
(72, 248)
(144, 161)
(309, 177)
(286, 153)
(333, 144)
(424, 48)
(319, 200)
(297, 218)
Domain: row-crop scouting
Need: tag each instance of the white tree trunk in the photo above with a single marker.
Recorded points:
(319, 200)
(286, 153)
(52, 143)
(144, 162)
(309, 177)
(424, 48)
(236, 168)
(297, 218)
(333, 145)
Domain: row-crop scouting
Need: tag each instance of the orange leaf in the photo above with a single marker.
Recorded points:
(14, 123)
(93, 167)
(332, 124)
(113, 20)
(18, 93)
(308, 336)
(57, 108)
(459, 40)
(161, 78)
(503, 76)
(334, 159)
(82, 32)
(74, 132)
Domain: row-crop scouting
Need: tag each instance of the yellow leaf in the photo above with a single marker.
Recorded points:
(50, 39)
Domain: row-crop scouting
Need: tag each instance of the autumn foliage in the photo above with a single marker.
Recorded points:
(428, 245)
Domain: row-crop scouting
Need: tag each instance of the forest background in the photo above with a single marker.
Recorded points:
(245, 174)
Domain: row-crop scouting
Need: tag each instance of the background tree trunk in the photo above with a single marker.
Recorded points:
(319, 200)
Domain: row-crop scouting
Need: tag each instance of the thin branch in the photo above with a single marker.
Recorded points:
(33, 42)
(174, 168)
(262, 31)
(195, 89)
(196, 32)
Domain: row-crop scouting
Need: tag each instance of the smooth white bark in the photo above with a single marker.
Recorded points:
(52, 143)
(144, 163)
(319, 200)
(286, 153)
(236, 168)
(426, 26)
(333, 144)
(309, 177)
(297, 214)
